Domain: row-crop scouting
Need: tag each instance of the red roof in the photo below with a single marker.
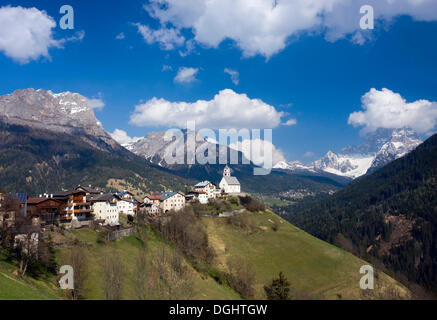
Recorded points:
(36, 200)
(157, 197)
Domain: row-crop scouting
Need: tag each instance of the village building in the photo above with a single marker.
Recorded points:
(126, 204)
(229, 184)
(200, 196)
(78, 210)
(172, 201)
(90, 191)
(208, 188)
(105, 209)
(46, 210)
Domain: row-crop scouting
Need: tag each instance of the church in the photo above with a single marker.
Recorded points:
(228, 183)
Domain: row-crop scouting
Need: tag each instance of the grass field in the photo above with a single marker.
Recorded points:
(27, 288)
(315, 269)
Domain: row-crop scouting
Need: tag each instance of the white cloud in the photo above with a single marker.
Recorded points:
(309, 154)
(386, 109)
(186, 75)
(167, 38)
(26, 34)
(122, 137)
(120, 36)
(247, 146)
(227, 110)
(290, 122)
(96, 103)
(235, 75)
(265, 27)
(166, 68)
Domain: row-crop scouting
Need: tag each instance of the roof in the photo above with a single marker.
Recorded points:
(232, 181)
(166, 195)
(203, 184)
(39, 200)
(197, 192)
(65, 193)
(22, 197)
(103, 197)
(155, 197)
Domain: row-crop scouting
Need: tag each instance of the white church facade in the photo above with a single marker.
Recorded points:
(229, 184)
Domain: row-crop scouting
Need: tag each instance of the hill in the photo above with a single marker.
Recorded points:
(315, 269)
(389, 215)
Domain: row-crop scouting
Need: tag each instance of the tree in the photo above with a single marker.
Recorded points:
(279, 289)
(241, 277)
(77, 259)
(113, 276)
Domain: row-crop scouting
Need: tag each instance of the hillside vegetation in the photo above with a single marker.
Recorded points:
(261, 241)
(389, 216)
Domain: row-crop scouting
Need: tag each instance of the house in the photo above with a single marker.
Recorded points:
(105, 208)
(46, 210)
(126, 203)
(201, 196)
(229, 184)
(207, 187)
(172, 201)
(78, 208)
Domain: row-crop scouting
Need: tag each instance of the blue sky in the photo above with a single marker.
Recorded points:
(314, 79)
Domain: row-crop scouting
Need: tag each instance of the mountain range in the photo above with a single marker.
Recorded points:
(65, 145)
(379, 148)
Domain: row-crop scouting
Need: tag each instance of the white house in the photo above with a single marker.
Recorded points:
(228, 183)
(207, 187)
(127, 203)
(105, 208)
(202, 196)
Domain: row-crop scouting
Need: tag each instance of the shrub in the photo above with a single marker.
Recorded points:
(252, 204)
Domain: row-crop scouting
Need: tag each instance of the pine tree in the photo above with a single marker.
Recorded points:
(279, 289)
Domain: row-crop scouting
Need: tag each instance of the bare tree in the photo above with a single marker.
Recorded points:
(26, 237)
(241, 277)
(77, 259)
(142, 283)
(113, 276)
(173, 279)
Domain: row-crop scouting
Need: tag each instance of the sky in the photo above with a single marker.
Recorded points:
(302, 68)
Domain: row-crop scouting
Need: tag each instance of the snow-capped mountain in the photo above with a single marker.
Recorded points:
(378, 149)
(64, 112)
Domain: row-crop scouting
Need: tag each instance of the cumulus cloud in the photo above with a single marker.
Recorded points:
(387, 109)
(186, 75)
(290, 122)
(248, 145)
(26, 34)
(235, 75)
(122, 137)
(120, 36)
(266, 26)
(168, 38)
(227, 109)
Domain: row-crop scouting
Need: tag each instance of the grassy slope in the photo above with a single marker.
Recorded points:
(16, 288)
(128, 249)
(315, 268)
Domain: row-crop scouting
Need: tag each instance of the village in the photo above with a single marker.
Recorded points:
(84, 206)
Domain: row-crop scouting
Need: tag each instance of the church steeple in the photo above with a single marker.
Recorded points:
(226, 171)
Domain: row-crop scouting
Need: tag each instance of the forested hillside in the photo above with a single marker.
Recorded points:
(390, 215)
